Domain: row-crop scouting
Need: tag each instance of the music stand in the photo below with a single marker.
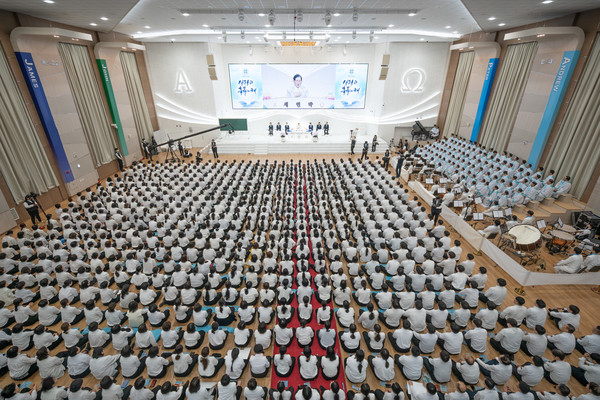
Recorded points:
(477, 216)
(541, 224)
(508, 212)
(498, 214)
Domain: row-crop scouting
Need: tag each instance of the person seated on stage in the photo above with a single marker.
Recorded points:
(326, 128)
(278, 127)
(270, 129)
(286, 127)
(593, 260)
(298, 128)
(434, 133)
(571, 265)
(310, 127)
(492, 229)
(319, 126)
(529, 219)
(562, 187)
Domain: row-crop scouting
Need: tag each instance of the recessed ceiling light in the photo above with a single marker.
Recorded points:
(147, 27)
(455, 32)
(336, 14)
(491, 18)
(329, 26)
(185, 14)
(422, 39)
(376, 37)
(390, 25)
(448, 27)
(412, 14)
(172, 39)
(49, 1)
(339, 37)
(501, 24)
(262, 14)
(139, 32)
(93, 24)
(104, 18)
(267, 26)
(547, 1)
(205, 25)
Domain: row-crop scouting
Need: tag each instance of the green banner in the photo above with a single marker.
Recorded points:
(112, 104)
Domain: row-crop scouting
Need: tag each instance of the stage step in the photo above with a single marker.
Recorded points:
(261, 149)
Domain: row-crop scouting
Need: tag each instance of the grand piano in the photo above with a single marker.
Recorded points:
(419, 132)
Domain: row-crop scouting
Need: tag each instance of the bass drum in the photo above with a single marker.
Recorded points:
(527, 237)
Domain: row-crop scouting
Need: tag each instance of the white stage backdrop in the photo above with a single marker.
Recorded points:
(186, 99)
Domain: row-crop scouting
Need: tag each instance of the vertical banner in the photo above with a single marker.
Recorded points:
(246, 86)
(559, 88)
(485, 96)
(112, 104)
(34, 84)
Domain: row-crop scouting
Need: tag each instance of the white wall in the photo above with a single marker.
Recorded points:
(406, 95)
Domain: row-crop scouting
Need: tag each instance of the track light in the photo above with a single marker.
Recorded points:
(284, 35)
(371, 36)
(310, 35)
(243, 34)
(299, 16)
(327, 37)
(271, 17)
(266, 38)
(241, 15)
(328, 18)
(224, 33)
(353, 34)
(355, 15)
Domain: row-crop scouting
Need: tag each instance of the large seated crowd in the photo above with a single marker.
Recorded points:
(201, 252)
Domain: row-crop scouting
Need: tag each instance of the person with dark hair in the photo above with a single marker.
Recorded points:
(523, 393)
(254, 392)
(48, 391)
(411, 366)
(508, 340)
(535, 343)
(591, 343)
(77, 391)
(564, 316)
(531, 372)
(119, 158)
(20, 366)
(228, 389)
(355, 367)
(297, 90)
(140, 391)
(440, 369)
(557, 371)
(588, 369)
(498, 369)
(365, 150)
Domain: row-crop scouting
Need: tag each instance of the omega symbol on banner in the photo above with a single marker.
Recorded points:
(182, 84)
(413, 81)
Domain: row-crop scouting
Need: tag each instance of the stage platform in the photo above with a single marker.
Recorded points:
(293, 143)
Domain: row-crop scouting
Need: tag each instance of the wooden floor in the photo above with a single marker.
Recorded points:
(554, 296)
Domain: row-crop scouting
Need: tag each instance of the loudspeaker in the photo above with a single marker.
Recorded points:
(212, 71)
(385, 62)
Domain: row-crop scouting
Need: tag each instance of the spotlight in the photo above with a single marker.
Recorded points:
(353, 34)
(272, 17)
(284, 35)
(241, 15)
(299, 16)
(243, 34)
(355, 15)
(310, 35)
(328, 18)
(266, 37)
(224, 34)
(371, 36)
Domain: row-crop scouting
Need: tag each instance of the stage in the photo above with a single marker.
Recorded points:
(260, 143)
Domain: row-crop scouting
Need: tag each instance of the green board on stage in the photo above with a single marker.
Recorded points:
(238, 124)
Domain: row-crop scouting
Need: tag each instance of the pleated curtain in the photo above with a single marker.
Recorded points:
(92, 113)
(23, 161)
(136, 95)
(576, 150)
(459, 89)
(506, 99)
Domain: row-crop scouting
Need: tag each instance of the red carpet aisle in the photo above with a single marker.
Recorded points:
(294, 380)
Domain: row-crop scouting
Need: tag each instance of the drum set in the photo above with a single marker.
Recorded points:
(526, 242)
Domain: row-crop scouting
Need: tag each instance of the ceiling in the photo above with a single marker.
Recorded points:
(351, 21)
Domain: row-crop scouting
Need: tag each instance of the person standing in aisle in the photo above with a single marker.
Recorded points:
(213, 146)
(374, 144)
(399, 165)
(32, 208)
(365, 151)
(352, 141)
(119, 158)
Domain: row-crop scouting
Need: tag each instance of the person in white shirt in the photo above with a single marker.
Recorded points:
(171, 392)
(411, 366)
(138, 392)
(355, 367)
(228, 389)
(535, 343)
(564, 341)
(508, 340)
(336, 393)
(77, 392)
(565, 316)
(522, 393)
(259, 363)
(517, 312)
(50, 366)
(383, 366)
(440, 369)
(562, 393)
(536, 315)
(571, 265)
(284, 363)
(157, 364)
(476, 338)
(531, 372)
(499, 370)
(557, 371)
(101, 365)
(254, 392)
(495, 294)
(234, 364)
(588, 369)
(488, 392)
(466, 370)
(591, 343)
(144, 339)
(326, 336)
(350, 340)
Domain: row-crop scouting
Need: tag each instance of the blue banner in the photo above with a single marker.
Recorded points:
(485, 96)
(559, 88)
(41, 104)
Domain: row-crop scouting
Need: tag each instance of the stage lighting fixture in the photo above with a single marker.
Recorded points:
(272, 17)
(241, 15)
(328, 18)
(299, 16)
(355, 15)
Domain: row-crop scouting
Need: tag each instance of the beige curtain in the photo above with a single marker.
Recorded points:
(506, 99)
(90, 107)
(23, 161)
(459, 88)
(136, 95)
(576, 150)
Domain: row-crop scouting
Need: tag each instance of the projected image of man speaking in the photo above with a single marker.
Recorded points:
(297, 90)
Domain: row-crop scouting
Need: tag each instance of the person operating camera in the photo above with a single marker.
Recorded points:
(32, 208)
